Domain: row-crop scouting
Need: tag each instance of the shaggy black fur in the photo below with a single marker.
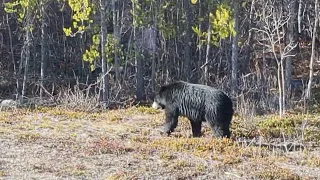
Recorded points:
(198, 103)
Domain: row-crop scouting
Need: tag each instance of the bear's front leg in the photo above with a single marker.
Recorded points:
(171, 121)
(220, 131)
(196, 128)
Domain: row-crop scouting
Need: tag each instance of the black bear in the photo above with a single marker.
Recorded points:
(198, 103)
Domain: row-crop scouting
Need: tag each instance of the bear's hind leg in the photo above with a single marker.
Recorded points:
(196, 128)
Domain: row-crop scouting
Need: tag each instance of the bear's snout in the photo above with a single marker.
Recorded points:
(156, 105)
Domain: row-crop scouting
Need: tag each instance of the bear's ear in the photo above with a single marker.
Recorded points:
(157, 89)
(162, 89)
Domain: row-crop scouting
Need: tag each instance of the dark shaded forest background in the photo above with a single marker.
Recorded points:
(263, 53)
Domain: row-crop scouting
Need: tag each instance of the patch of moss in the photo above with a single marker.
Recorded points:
(140, 139)
(292, 125)
(28, 136)
(180, 164)
(231, 159)
(312, 135)
(141, 110)
(167, 156)
(200, 168)
(46, 123)
(274, 126)
(114, 117)
(42, 168)
(4, 130)
(272, 172)
(4, 115)
(78, 172)
(310, 160)
(56, 111)
(193, 144)
(2, 173)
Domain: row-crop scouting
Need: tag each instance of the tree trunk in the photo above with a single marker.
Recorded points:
(234, 57)
(206, 73)
(15, 70)
(153, 40)
(245, 61)
(187, 42)
(314, 32)
(26, 54)
(264, 75)
(117, 38)
(153, 72)
(43, 47)
(299, 16)
(140, 91)
(280, 89)
(199, 64)
(283, 87)
(105, 81)
(290, 37)
(288, 76)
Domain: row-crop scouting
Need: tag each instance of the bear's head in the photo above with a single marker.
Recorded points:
(159, 101)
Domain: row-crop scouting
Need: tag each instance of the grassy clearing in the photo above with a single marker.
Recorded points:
(127, 144)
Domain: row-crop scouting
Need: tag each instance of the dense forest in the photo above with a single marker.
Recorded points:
(262, 52)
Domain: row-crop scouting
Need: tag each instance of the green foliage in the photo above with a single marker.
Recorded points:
(144, 15)
(274, 126)
(194, 1)
(222, 24)
(201, 35)
(81, 12)
(167, 28)
(67, 31)
(92, 53)
(141, 16)
(11, 7)
(21, 7)
(81, 9)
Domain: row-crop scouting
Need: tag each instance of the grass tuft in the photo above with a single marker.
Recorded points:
(272, 172)
(141, 110)
(3, 173)
(28, 137)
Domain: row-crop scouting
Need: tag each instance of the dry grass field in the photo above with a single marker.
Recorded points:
(57, 143)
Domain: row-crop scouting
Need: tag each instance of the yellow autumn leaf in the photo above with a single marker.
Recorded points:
(92, 67)
(194, 1)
